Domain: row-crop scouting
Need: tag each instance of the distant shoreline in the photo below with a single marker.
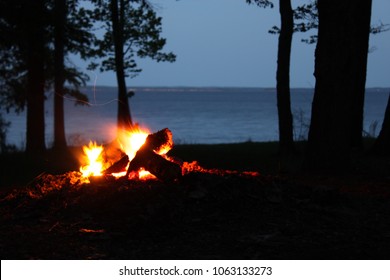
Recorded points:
(204, 115)
(217, 88)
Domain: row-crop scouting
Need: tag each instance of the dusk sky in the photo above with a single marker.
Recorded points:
(226, 43)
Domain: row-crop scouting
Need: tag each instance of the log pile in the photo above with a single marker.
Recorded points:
(150, 157)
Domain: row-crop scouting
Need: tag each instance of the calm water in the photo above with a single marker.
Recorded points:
(195, 115)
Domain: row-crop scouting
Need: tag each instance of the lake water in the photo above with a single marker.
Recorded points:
(194, 115)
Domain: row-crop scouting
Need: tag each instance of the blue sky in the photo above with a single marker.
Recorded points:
(226, 43)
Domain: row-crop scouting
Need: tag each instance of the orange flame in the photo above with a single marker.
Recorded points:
(94, 160)
(129, 141)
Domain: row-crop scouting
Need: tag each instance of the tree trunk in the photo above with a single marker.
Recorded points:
(35, 135)
(117, 17)
(59, 122)
(286, 142)
(382, 143)
(336, 104)
(362, 11)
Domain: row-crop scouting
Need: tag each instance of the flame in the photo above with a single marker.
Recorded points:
(142, 174)
(98, 158)
(129, 142)
(94, 160)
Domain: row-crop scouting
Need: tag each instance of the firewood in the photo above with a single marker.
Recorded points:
(157, 165)
(159, 141)
(148, 157)
(118, 166)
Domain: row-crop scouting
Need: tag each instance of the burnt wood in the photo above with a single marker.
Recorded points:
(147, 157)
(119, 166)
(158, 141)
(157, 165)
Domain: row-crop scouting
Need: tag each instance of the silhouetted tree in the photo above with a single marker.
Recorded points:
(22, 50)
(60, 15)
(340, 71)
(118, 26)
(32, 43)
(307, 17)
(13, 72)
(72, 34)
(132, 29)
(285, 120)
(382, 143)
(286, 140)
(3, 133)
(34, 25)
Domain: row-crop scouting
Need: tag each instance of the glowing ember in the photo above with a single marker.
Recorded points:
(142, 174)
(94, 160)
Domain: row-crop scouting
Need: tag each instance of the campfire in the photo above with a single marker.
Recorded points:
(136, 154)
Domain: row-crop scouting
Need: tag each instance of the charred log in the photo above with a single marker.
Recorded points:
(159, 141)
(119, 166)
(157, 165)
(148, 157)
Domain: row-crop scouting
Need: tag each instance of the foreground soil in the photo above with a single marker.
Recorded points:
(204, 215)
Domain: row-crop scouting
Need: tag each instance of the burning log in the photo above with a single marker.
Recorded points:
(119, 166)
(157, 165)
(160, 142)
(149, 157)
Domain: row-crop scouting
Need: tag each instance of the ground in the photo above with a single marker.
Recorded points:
(211, 214)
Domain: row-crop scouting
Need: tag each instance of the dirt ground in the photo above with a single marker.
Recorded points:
(204, 215)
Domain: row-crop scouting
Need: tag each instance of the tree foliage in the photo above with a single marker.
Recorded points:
(141, 36)
(13, 49)
(261, 3)
(27, 51)
(12, 63)
(131, 30)
(306, 19)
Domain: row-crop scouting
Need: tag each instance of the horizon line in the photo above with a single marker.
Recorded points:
(216, 87)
